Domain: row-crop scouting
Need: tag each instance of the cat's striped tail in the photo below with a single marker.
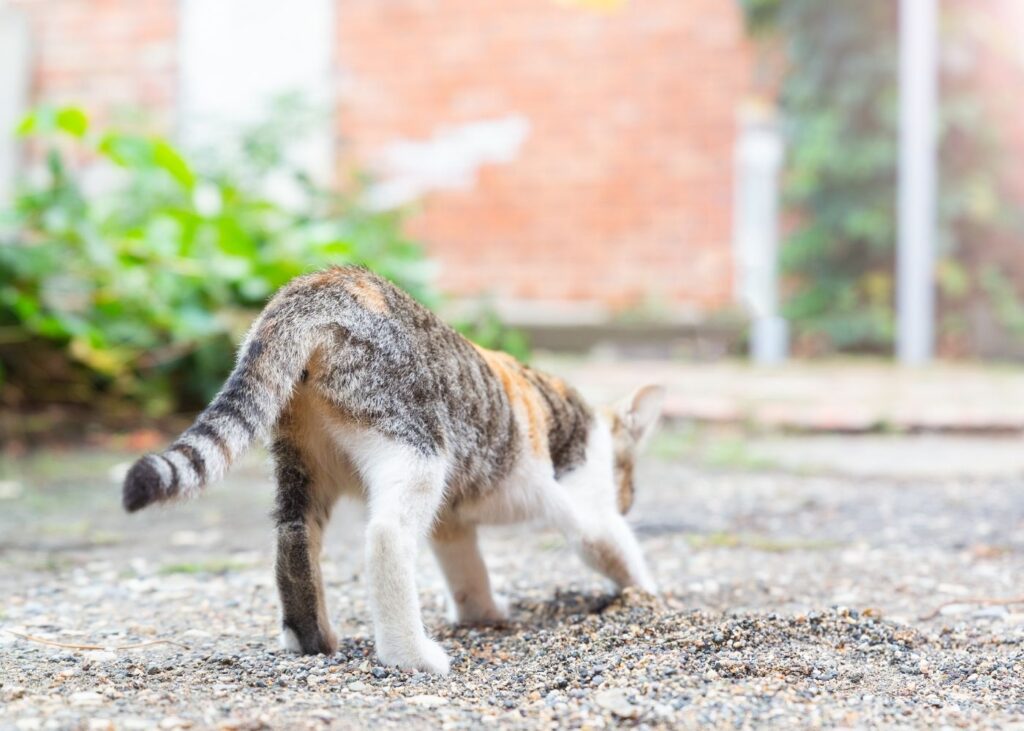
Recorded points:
(271, 360)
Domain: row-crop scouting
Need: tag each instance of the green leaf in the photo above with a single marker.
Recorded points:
(137, 290)
(127, 150)
(73, 121)
(28, 124)
(166, 157)
(49, 120)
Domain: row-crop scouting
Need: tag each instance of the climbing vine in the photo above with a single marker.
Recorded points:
(836, 86)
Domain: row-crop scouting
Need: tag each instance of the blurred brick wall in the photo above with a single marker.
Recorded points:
(112, 56)
(622, 191)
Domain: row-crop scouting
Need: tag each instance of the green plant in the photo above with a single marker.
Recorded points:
(485, 327)
(838, 95)
(136, 285)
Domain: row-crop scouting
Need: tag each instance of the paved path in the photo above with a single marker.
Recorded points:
(831, 396)
(792, 598)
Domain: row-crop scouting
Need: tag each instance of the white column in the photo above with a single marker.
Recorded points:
(14, 91)
(917, 181)
(758, 162)
(238, 56)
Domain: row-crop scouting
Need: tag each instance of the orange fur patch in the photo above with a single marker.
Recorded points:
(521, 394)
(358, 283)
(326, 278)
(368, 294)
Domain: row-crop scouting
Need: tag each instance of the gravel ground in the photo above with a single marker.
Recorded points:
(791, 599)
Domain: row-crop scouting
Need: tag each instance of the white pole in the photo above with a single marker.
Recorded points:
(759, 155)
(917, 181)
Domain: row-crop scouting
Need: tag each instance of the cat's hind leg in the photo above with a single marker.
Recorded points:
(457, 552)
(301, 513)
(405, 489)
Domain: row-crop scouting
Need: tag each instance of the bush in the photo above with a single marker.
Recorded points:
(128, 271)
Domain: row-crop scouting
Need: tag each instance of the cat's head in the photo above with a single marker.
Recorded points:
(631, 422)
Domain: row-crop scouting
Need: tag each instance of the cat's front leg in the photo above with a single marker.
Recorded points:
(602, 538)
(610, 547)
(405, 491)
(469, 587)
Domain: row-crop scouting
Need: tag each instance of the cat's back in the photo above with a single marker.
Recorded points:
(388, 362)
(354, 298)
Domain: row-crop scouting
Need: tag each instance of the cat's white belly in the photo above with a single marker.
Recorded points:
(499, 509)
(525, 495)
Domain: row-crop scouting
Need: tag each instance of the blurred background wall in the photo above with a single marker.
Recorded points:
(574, 159)
(565, 156)
(619, 193)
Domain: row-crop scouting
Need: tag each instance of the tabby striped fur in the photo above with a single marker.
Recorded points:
(362, 391)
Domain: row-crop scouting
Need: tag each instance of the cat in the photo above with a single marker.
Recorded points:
(360, 390)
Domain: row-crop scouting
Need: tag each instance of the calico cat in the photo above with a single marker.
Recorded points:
(361, 390)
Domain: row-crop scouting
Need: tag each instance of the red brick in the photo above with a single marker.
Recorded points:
(106, 54)
(623, 187)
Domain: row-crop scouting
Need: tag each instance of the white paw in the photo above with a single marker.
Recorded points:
(647, 582)
(648, 586)
(426, 655)
(290, 641)
(434, 658)
(645, 585)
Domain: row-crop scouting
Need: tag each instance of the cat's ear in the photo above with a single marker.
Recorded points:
(640, 411)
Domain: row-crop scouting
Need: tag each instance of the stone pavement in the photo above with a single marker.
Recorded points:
(789, 600)
(833, 396)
